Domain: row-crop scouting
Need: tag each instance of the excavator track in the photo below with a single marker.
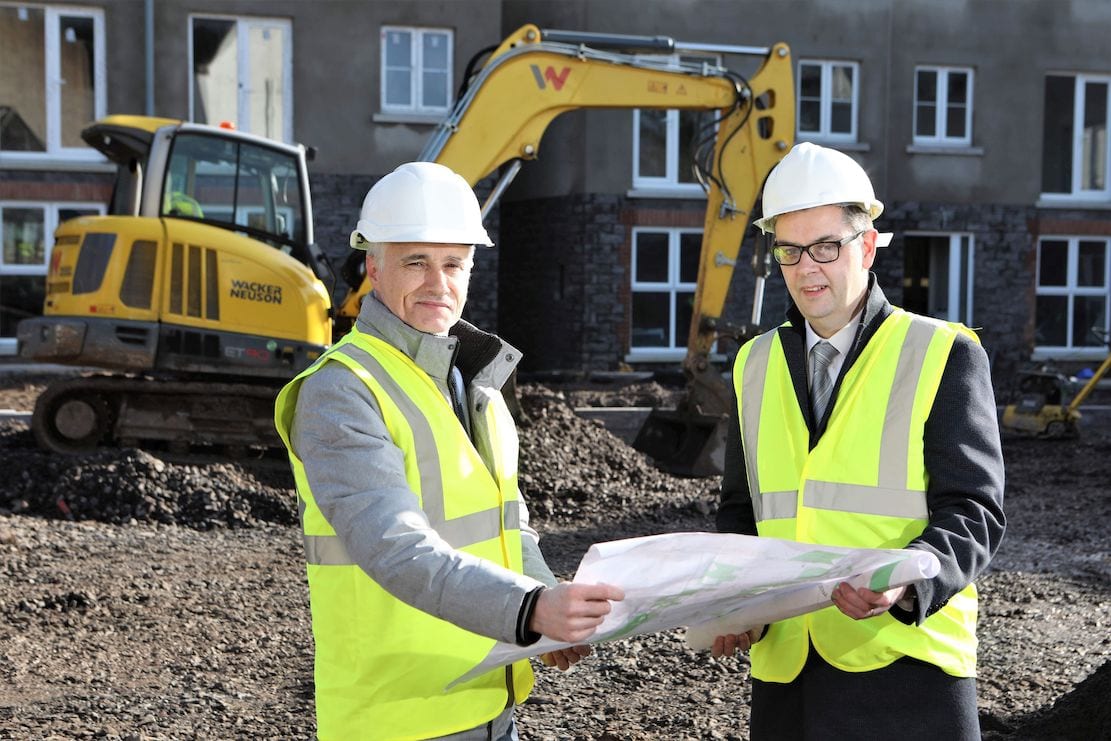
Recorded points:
(79, 415)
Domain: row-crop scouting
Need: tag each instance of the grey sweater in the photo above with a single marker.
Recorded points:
(357, 477)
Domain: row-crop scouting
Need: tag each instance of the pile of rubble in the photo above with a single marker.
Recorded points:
(576, 471)
(572, 471)
(131, 486)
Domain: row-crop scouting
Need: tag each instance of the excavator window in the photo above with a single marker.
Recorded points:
(237, 185)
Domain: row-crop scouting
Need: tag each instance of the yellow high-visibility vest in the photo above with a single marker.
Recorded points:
(381, 665)
(862, 486)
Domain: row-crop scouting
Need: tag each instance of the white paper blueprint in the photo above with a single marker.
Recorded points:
(715, 583)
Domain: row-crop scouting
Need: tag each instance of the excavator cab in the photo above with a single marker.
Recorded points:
(201, 289)
(202, 263)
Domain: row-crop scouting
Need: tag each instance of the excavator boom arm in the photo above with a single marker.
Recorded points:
(535, 75)
(505, 110)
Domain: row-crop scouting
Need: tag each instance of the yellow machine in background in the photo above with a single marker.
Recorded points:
(204, 291)
(196, 289)
(1043, 407)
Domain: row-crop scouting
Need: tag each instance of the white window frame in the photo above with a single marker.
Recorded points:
(941, 118)
(672, 286)
(1077, 193)
(825, 101)
(1072, 291)
(50, 211)
(53, 83)
(243, 25)
(416, 64)
(960, 260)
(670, 180)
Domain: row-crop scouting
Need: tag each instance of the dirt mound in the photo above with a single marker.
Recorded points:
(576, 470)
(647, 394)
(130, 486)
(573, 470)
(1084, 713)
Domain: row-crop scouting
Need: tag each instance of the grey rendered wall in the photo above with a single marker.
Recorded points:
(337, 93)
(336, 64)
(603, 139)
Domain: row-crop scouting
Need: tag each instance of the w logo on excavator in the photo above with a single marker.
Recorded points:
(550, 75)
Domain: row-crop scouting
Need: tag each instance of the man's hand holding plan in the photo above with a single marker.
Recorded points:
(715, 583)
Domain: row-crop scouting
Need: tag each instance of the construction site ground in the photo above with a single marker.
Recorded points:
(144, 597)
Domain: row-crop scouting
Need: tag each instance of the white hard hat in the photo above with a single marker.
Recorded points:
(420, 202)
(811, 176)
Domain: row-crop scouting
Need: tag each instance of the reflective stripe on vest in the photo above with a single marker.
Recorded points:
(889, 497)
(863, 485)
(328, 550)
(459, 532)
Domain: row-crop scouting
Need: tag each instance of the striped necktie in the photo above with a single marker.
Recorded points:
(821, 385)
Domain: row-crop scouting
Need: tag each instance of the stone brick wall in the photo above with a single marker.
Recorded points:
(36, 185)
(561, 277)
(1003, 279)
(565, 281)
(738, 307)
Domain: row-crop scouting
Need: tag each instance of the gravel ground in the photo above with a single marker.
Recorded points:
(144, 598)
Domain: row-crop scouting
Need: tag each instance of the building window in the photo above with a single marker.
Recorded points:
(241, 71)
(664, 140)
(938, 275)
(1074, 142)
(943, 106)
(26, 238)
(1071, 312)
(827, 100)
(52, 83)
(665, 274)
(416, 70)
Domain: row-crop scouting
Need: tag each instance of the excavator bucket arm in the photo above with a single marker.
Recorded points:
(535, 75)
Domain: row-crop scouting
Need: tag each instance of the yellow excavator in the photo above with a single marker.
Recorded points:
(202, 290)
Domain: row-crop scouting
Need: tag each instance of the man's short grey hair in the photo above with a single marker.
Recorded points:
(856, 217)
(375, 249)
(378, 249)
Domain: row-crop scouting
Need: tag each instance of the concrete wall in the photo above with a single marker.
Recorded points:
(336, 66)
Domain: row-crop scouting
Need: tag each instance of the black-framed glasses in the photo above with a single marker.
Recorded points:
(789, 254)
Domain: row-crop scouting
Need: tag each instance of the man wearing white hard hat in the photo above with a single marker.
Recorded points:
(860, 424)
(417, 540)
